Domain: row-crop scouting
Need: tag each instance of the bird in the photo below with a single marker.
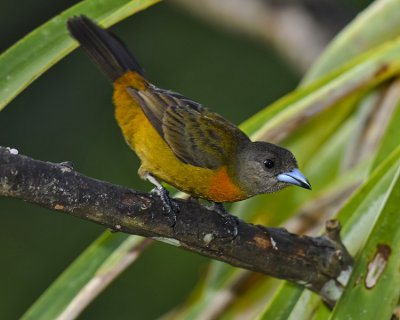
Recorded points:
(178, 140)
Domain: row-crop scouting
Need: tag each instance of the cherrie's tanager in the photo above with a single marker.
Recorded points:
(178, 140)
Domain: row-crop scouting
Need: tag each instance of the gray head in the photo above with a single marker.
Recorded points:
(263, 167)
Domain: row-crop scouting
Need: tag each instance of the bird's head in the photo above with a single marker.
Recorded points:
(263, 167)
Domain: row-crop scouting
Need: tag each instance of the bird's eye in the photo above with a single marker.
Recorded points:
(268, 164)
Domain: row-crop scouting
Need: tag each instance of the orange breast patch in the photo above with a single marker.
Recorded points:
(222, 188)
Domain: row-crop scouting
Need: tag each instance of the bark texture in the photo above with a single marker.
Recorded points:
(320, 263)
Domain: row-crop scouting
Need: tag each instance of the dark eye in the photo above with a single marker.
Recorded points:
(269, 163)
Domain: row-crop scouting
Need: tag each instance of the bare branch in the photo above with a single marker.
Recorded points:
(319, 263)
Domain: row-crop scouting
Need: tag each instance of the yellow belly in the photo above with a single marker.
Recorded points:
(157, 158)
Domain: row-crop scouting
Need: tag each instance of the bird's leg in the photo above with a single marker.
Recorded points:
(169, 205)
(229, 219)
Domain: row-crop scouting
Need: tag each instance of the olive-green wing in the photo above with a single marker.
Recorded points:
(196, 135)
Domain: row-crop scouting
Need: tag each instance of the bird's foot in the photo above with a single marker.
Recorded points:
(229, 220)
(170, 207)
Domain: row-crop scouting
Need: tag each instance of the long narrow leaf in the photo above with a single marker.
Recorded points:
(282, 304)
(362, 73)
(374, 287)
(26, 60)
(92, 270)
(378, 24)
(391, 138)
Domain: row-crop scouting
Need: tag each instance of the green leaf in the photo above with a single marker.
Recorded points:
(390, 139)
(91, 271)
(374, 287)
(26, 60)
(378, 24)
(283, 302)
(362, 73)
(359, 215)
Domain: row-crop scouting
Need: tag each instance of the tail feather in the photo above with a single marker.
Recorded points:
(107, 51)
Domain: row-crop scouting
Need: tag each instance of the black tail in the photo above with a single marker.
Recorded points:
(108, 52)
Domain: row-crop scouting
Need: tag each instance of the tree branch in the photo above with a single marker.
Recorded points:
(322, 263)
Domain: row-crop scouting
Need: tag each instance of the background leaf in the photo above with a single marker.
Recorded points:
(38, 51)
(376, 25)
(375, 276)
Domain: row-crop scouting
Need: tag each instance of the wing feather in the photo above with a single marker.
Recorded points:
(195, 135)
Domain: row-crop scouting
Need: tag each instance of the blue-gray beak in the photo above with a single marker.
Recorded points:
(294, 177)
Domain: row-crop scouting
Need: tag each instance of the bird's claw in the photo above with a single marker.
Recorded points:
(170, 207)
